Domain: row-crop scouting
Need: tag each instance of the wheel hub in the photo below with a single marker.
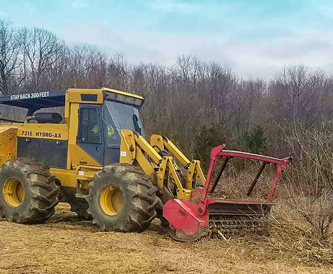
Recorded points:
(13, 192)
(111, 200)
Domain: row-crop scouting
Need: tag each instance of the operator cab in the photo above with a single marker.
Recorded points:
(102, 114)
(100, 125)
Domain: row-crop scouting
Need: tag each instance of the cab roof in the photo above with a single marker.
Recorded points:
(56, 98)
(41, 99)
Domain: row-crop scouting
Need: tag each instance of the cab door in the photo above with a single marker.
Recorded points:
(90, 137)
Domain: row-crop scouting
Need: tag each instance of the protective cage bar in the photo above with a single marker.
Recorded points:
(219, 152)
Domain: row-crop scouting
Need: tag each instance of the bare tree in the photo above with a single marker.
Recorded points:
(297, 90)
(118, 71)
(9, 60)
(310, 178)
(41, 49)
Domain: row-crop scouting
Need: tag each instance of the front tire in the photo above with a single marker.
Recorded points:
(28, 192)
(122, 198)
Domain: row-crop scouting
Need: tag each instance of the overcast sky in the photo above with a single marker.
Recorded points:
(255, 38)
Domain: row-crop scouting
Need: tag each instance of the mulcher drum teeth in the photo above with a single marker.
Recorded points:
(226, 227)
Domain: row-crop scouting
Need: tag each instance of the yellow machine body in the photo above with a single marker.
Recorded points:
(102, 165)
(81, 166)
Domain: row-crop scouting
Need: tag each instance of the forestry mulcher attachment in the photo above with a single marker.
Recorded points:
(97, 160)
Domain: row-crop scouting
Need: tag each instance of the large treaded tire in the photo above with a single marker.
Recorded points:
(138, 196)
(40, 191)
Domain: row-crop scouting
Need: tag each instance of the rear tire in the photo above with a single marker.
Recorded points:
(122, 198)
(28, 192)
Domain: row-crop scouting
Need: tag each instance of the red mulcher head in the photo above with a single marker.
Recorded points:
(190, 221)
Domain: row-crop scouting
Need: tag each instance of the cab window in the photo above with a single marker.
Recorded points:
(89, 125)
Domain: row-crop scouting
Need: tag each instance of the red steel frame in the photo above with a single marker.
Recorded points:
(189, 217)
(219, 152)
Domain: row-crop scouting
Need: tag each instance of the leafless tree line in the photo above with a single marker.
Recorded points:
(187, 101)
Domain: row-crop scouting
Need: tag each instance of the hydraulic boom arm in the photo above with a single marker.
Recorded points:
(157, 160)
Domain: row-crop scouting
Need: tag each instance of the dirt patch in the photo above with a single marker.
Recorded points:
(67, 245)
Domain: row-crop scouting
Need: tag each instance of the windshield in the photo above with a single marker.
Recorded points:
(117, 116)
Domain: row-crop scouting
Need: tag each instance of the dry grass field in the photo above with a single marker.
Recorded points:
(68, 245)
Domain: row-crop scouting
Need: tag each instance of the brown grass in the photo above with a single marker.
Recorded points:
(291, 233)
(66, 245)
